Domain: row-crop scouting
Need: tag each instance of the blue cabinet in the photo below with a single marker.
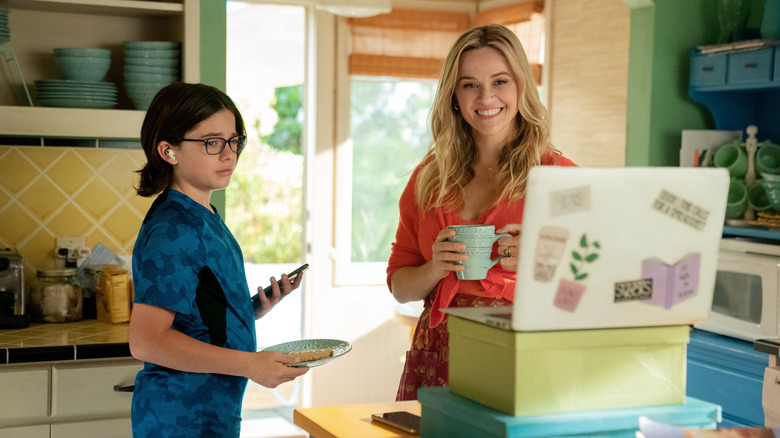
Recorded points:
(728, 372)
(739, 88)
(751, 67)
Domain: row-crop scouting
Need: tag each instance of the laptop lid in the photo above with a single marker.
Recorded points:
(615, 247)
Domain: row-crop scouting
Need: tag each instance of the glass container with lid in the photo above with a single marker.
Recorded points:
(55, 296)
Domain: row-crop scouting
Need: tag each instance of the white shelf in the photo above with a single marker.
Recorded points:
(37, 26)
(70, 122)
(98, 7)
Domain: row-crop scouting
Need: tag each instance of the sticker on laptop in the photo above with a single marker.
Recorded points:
(634, 290)
(672, 284)
(549, 252)
(569, 201)
(569, 292)
(681, 209)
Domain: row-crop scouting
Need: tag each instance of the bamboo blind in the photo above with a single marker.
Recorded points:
(412, 43)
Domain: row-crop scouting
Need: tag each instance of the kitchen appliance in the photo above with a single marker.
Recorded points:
(747, 290)
(12, 292)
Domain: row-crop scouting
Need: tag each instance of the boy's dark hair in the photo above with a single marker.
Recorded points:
(175, 110)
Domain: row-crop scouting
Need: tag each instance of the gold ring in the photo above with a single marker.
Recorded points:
(507, 253)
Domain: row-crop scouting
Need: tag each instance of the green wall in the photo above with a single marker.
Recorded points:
(658, 107)
(213, 60)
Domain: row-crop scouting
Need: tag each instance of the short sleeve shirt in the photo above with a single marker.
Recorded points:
(186, 260)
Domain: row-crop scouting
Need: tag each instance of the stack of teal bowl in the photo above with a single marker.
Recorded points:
(5, 31)
(82, 86)
(149, 66)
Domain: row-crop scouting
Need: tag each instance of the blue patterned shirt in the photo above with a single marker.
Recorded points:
(186, 260)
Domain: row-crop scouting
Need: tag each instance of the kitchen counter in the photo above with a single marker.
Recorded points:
(44, 342)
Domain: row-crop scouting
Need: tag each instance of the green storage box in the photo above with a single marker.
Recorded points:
(448, 415)
(534, 373)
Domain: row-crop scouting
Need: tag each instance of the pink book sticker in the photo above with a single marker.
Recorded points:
(672, 284)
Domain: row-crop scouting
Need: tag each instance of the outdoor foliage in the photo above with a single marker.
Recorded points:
(389, 137)
(286, 135)
(265, 196)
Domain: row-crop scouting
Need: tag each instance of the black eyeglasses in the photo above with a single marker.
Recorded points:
(215, 145)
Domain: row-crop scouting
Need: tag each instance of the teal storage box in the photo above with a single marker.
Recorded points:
(445, 414)
(535, 373)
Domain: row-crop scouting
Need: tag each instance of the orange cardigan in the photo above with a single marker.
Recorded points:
(417, 232)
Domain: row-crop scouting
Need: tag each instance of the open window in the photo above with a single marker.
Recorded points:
(386, 82)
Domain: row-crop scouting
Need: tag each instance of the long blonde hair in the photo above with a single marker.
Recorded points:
(452, 151)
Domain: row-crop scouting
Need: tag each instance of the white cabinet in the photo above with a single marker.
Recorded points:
(38, 26)
(37, 431)
(89, 390)
(115, 428)
(30, 388)
(67, 399)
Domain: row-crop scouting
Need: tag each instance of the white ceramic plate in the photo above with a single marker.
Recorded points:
(339, 347)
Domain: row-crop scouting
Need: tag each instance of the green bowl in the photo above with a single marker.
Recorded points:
(157, 45)
(770, 178)
(83, 68)
(150, 77)
(772, 193)
(170, 71)
(153, 62)
(152, 53)
(82, 51)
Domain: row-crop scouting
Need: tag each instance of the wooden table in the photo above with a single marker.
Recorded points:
(351, 420)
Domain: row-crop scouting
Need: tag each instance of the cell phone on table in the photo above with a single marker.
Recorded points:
(402, 420)
(258, 306)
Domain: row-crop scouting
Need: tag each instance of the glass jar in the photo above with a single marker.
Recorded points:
(89, 281)
(56, 297)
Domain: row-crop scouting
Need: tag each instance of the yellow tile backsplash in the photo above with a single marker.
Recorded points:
(47, 192)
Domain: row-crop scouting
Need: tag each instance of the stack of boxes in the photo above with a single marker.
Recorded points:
(592, 382)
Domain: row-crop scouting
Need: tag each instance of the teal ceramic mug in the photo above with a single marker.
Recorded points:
(479, 240)
(768, 159)
(737, 200)
(757, 197)
(732, 157)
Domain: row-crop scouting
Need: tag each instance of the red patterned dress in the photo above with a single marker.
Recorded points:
(427, 362)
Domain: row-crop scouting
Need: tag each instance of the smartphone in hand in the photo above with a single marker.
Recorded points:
(402, 420)
(258, 306)
(269, 290)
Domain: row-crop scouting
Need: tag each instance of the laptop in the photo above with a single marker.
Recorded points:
(614, 247)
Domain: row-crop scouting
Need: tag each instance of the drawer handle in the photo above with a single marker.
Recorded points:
(707, 69)
(751, 65)
(119, 388)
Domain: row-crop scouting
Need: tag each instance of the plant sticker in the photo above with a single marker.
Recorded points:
(581, 258)
(569, 292)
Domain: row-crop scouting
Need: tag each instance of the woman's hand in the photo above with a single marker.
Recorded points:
(414, 283)
(444, 255)
(509, 247)
(277, 293)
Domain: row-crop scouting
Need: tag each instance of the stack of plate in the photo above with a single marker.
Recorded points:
(75, 94)
(5, 31)
(149, 66)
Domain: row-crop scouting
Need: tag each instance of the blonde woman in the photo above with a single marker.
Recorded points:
(488, 129)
